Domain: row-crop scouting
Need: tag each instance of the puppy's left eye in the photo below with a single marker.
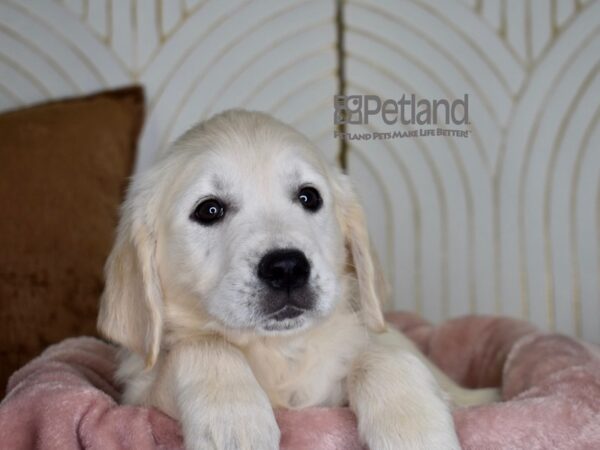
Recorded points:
(310, 199)
(208, 212)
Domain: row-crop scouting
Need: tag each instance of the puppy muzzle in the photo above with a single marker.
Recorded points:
(285, 272)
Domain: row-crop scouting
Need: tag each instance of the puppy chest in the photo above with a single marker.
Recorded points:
(301, 376)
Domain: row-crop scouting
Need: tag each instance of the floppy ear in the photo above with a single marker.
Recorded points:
(372, 286)
(131, 305)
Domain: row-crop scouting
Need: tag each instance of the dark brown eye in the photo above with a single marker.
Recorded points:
(310, 199)
(208, 212)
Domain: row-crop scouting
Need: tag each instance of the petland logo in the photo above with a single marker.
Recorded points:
(419, 117)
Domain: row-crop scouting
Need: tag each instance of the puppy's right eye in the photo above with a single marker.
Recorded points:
(208, 212)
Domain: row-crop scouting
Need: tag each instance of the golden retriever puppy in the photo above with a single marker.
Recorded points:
(242, 280)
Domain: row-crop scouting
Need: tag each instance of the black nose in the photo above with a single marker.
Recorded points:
(284, 269)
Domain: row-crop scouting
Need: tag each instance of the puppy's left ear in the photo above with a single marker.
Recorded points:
(372, 286)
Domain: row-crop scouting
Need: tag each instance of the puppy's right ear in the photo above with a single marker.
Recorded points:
(131, 305)
(372, 286)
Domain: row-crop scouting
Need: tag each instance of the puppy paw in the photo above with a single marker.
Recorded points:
(425, 442)
(234, 428)
(390, 432)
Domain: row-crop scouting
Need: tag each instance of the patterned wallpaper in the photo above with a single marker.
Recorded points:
(507, 220)
(195, 58)
(504, 221)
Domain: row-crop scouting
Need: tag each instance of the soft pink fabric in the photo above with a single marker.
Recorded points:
(65, 399)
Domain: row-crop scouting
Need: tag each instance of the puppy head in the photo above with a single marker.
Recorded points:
(240, 224)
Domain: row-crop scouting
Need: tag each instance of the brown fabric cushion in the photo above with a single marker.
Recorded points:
(63, 171)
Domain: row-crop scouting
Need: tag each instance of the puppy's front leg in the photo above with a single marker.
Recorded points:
(398, 403)
(220, 404)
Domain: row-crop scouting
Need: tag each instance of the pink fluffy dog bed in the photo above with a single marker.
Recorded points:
(66, 399)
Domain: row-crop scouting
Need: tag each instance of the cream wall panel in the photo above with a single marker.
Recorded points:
(505, 221)
(194, 58)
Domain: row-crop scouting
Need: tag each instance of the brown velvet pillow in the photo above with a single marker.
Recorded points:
(63, 171)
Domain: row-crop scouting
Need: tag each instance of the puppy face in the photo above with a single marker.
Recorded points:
(239, 227)
(252, 233)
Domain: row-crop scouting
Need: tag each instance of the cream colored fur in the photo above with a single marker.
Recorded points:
(177, 300)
